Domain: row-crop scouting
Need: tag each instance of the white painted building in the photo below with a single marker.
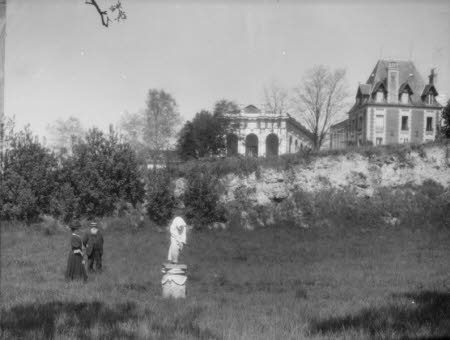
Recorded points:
(255, 132)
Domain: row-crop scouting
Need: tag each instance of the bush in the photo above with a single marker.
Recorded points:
(28, 180)
(100, 174)
(202, 198)
(159, 197)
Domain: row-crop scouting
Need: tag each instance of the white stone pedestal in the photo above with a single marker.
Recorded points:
(174, 280)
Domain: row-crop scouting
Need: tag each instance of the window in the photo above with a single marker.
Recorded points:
(405, 123)
(380, 96)
(430, 99)
(429, 123)
(379, 123)
(379, 141)
(405, 98)
(360, 123)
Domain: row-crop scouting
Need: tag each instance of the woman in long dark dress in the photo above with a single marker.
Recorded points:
(75, 267)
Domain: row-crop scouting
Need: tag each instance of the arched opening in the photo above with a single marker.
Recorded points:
(290, 144)
(251, 145)
(232, 145)
(296, 145)
(272, 145)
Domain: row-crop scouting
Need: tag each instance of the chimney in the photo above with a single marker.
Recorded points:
(393, 82)
(432, 76)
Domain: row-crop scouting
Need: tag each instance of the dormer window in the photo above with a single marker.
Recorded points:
(429, 95)
(405, 98)
(380, 97)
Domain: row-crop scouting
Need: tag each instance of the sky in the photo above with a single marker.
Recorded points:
(61, 62)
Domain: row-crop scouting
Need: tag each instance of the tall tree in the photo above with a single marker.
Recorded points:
(276, 99)
(224, 106)
(131, 126)
(446, 120)
(203, 137)
(62, 133)
(161, 118)
(319, 100)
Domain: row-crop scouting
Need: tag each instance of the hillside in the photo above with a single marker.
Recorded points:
(353, 171)
(391, 184)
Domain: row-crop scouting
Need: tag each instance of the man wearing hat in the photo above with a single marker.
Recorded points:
(93, 242)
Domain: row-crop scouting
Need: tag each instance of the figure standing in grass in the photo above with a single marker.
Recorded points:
(93, 241)
(177, 238)
(75, 264)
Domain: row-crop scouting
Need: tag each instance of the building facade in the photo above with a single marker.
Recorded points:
(255, 132)
(395, 105)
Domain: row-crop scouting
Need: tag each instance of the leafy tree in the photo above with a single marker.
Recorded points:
(319, 100)
(28, 179)
(186, 145)
(131, 127)
(161, 119)
(224, 106)
(152, 130)
(202, 198)
(102, 174)
(446, 120)
(63, 133)
(159, 197)
(204, 136)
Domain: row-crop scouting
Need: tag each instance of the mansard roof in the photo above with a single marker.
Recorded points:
(407, 74)
(364, 89)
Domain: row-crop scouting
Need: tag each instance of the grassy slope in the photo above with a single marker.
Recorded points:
(272, 284)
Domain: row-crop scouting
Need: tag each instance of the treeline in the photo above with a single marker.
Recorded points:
(98, 176)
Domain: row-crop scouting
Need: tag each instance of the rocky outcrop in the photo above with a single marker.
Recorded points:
(262, 200)
(352, 171)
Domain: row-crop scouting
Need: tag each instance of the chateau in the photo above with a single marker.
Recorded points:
(257, 132)
(395, 105)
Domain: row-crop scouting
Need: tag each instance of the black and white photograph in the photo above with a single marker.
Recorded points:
(224, 170)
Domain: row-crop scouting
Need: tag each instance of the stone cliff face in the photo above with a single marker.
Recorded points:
(271, 196)
(352, 171)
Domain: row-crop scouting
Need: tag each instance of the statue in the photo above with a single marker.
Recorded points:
(174, 274)
(177, 238)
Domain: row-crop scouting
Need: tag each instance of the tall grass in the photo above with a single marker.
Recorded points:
(273, 283)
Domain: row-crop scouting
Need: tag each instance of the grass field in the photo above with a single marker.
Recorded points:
(274, 283)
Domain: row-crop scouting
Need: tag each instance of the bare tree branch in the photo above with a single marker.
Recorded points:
(104, 16)
(276, 99)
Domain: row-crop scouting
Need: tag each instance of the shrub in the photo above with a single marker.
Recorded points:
(202, 198)
(28, 180)
(100, 174)
(159, 197)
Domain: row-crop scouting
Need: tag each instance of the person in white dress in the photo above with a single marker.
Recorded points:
(177, 238)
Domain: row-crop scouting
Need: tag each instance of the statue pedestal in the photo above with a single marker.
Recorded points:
(174, 280)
